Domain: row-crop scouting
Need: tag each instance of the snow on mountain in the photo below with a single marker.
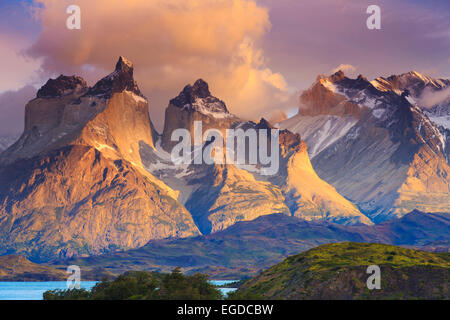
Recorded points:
(75, 184)
(380, 150)
(320, 131)
(295, 190)
(7, 141)
(198, 98)
(412, 81)
(439, 117)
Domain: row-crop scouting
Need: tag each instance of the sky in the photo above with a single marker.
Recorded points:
(256, 55)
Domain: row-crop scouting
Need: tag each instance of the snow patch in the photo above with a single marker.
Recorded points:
(378, 113)
(381, 84)
(319, 132)
(328, 84)
(207, 108)
(443, 121)
(411, 100)
(136, 98)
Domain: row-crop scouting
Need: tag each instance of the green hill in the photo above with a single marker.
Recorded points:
(339, 271)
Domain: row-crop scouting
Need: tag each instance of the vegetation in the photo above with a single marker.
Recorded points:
(338, 271)
(332, 271)
(141, 285)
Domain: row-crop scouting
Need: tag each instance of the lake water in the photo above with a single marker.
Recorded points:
(34, 290)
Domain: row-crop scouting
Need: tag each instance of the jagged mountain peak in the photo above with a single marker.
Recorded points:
(415, 74)
(200, 89)
(374, 143)
(85, 147)
(61, 86)
(412, 74)
(190, 93)
(195, 103)
(361, 78)
(337, 80)
(112, 116)
(337, 76)
(124, 64)
(264, 124)
(197, 97)
(122, 79)
(415, 81)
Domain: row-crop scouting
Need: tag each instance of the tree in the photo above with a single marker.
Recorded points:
(141, 285)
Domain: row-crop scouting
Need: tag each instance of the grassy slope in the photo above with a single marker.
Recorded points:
(338, 271)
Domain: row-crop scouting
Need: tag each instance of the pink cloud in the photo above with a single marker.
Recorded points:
(12, 109)
(172, 43)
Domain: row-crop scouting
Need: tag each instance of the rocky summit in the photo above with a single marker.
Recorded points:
(375, 144)
(119, 81)
(195, 103)
(221, 195)
(90, 175)
(74, 183)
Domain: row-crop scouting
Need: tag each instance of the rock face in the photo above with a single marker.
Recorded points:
(120, 80)
(387, 156)
(74, 183)
(228, 195)
(90, 175)
(62, 86)
(112, 116)
(307, 196)
(317, 101)
(412, 81)
(246, 248)
(195, 103)
(221, 195)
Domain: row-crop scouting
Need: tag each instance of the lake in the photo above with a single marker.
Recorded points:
(34, 290)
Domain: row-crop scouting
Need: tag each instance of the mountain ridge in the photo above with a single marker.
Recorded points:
(79, 186)
(388, 157)
(249, 246)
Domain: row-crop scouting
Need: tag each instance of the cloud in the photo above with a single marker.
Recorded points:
(16, 69)
(308, 38)
(431, 98)
(277, 116)
(346, 68)
(12, 106)
(172, 43)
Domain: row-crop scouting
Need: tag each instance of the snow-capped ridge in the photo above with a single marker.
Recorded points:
(121, 79)
(61, 86)
(197, 97)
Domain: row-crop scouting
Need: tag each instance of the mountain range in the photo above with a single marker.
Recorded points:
(250, 246)
(91, 175)
(375, 144)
